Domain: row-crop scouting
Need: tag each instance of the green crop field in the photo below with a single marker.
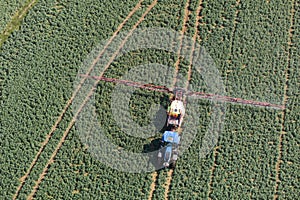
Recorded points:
(255, 46)
(8, 9)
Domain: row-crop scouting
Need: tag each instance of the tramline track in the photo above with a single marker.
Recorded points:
(201, 95)
(183, 31)
(49, 135)
(72, 122)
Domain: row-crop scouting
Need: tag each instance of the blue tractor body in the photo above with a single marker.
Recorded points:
(168, 152)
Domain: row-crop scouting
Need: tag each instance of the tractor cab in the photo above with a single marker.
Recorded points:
(168, 152)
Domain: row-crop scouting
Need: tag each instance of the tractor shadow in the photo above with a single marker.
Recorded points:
(153, 146)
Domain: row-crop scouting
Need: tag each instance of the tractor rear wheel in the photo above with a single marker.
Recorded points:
(173, 164)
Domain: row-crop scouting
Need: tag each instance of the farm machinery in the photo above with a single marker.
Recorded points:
(168, 152)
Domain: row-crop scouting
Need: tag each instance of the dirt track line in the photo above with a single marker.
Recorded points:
(153, 185)
(62, 140)
(183, 30)
(232, 35)
(15, 21)
(49, 135)
(25, 10)
(285, 99)
(168, 183)
(198, 10)
(213, 168)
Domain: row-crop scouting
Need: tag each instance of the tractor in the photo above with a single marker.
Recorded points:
(168, 152)
(169, 144)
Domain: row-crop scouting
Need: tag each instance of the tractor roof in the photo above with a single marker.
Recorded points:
(171, 136)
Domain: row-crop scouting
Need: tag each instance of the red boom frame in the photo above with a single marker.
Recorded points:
(198, 94)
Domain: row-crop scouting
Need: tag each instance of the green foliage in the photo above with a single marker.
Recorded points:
(12, 23)
(247, 154)
(168, 14)
(39, 63)
(7, 10)
(42, 59)
(290, 164)
(248, 147)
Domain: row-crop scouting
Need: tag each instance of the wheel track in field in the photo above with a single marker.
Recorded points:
(285, 99)
(65, 134)
(213, 168)
(215, 152)
(153, 185)
(195, 36)
(233, 34)
(184, 28)
(53, 128)
(16, 21)
(170, 172)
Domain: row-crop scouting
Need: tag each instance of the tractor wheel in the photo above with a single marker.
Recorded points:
(173, 164)
(159, 161)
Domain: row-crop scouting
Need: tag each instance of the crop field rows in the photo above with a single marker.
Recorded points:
(215, 151)
(254, 158)
(285, 99)
(51, 160)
